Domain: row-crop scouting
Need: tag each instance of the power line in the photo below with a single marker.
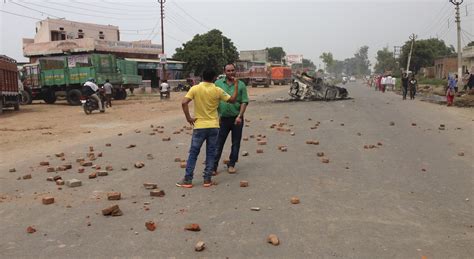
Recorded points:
(197, 21)
(437, 14)
(25, 16)
(29, 8)
(90, 10)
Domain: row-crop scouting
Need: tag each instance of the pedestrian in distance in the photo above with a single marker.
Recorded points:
(206, 97)
(451, 90)
(404, 85)
(231, 117)
(108, 88)
(165, 90)
(413, 85)
(469, 81)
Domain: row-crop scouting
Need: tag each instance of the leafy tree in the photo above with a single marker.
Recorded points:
(424, 53)
(307, 63)
(362, 62)
(470, 44)
(385, 61)
(328, 61)
(276, 54)
(205, 51)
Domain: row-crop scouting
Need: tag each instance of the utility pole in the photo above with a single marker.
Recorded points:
(412, 38)
(162, 6)
(458, 22)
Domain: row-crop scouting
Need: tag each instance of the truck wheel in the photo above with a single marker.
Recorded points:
(26, 97)
(254, 85)
(120, 94)
(49, 96)
(1, 103)
(73, 97)
(16, 106)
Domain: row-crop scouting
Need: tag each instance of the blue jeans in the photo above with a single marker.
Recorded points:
(227, 125)
(199, 136)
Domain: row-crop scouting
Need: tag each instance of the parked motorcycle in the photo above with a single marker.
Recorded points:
(181, 88)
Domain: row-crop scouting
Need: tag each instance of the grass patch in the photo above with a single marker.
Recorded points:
(432, 81)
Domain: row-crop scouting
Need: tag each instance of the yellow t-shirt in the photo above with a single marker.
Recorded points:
(206, 97)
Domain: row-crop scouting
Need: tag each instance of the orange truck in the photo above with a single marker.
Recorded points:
(281, 75)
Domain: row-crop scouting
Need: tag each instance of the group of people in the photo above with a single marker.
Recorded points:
(102, 95)
(219, 108)
(409, 85)
(382, 82)
(453, 86)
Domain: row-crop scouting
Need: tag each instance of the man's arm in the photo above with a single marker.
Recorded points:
(185, 106)
(233, 98)
(243, 107)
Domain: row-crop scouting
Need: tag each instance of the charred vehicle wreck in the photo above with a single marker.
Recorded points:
(305, 87)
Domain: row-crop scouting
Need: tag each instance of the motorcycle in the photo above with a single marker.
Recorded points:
(89, 104)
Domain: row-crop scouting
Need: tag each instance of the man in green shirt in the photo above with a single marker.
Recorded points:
(231, 118)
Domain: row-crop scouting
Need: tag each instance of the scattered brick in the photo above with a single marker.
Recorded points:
(50, 170)
(100, 154)
(108, 145)
(113, 210)
(183, 165)
(166, 139)
(139, 164)
(60, 168)
(295, 200)
(244, 183)
(48, 200)
(379, 143)
(150, 225)
(120, 134)
(80, 160)
(320, 154)
(109, 168)
(26, 176)
(252, 136)
(102, 173)
(157, 193)
(59, 182)
(413, 124)
(67, 166)
(392, 123)
(137, 131)
(371, 146)
(309, 142)
(73, 183)
(50, 179)
(366, 147)
(88, 163)
(12, 170)
(131, 146)
(81, 170)
(225, 161)
(193, 227)
(44, 163)
(57, 177)
(255, 208)
(91, 149)
(461, 154)
(325, 160)
(150, 186)
(59, 154)
(292, 133)
(273, 239)
(262, 143)
(199, 246)
(92, 175)
(113, 196)
(259, 151)
(245, 153)
(30, 230)
(245, 138)
(124, 168)
(177, 159)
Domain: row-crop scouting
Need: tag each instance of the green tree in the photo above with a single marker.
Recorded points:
(308, 63)
(328, 61)
(385, 61)
(424, 53)
(362, 62)
(205, 51)
(276, 54)
(470, 44)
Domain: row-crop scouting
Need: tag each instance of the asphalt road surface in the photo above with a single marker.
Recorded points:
(411, 196)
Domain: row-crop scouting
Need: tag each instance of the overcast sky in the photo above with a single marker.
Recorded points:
(301, 27)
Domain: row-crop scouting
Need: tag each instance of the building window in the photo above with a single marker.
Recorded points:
(58, 35)
(101, 35)
(80, 34)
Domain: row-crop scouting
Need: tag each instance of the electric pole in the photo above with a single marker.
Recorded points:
(163, 68)
(458, 22)
(412, 38)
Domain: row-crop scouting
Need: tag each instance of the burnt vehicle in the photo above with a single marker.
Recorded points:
(305, 87)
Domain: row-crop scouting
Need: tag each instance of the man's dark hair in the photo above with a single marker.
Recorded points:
(106, 80)
(228, 65)
(208, 75)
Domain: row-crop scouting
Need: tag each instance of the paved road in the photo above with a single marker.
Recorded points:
(408, 198)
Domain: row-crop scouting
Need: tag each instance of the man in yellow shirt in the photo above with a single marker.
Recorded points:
(206, 98)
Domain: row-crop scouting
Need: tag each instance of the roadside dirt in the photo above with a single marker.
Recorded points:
(41, 127)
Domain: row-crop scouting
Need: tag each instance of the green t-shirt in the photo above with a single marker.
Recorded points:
(231, 109)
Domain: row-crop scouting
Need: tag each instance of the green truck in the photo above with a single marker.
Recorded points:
(52, 77)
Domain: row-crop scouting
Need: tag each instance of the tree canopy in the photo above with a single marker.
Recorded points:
(276, 54)
(205, 51)
(385, 61)
(357, 65)
(424, 53)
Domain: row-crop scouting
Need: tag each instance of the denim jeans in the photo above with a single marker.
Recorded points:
(199, 136)
(227, 124)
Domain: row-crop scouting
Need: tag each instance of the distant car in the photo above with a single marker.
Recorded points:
(352, 79)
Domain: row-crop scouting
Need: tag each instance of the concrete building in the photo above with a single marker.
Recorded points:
(254, 55)
(444, 66)
(60, 37)
(468, 58)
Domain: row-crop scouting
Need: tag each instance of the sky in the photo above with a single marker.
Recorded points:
(307, 27)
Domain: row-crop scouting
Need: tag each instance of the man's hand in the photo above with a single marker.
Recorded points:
(238, 120)
(191, 120)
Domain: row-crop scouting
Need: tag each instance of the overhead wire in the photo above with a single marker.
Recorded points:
(39, 11)
(21, 15)
(192, 17)
(91, 10)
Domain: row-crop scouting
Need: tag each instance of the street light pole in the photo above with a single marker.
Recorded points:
(412, 38)
(458, 22)
(162, 5)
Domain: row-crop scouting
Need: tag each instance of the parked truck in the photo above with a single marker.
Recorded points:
(260, 75)
(9, 91)
(64, 76)
(281, 75)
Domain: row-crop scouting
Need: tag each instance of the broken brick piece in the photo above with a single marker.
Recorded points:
(88, 163)
(325, 160)
(50, 170)
(59, 182)
(131, 146)
(26, 176)
(59, 154)
(150, 186)
(150, 225)
(109, 168)
(81, 170)
(259, 151)
(320, 154)
(57, 177)
(113, 196)
(139, 164)
(245, 153)
(183, 165)
(199, 246)
(113, 210)
(244, 183)
(44, 163)
(30, 230)
(102, 173)
(262, 143)
(92, 175)
(295, 200)
(177, 159)
(461, 154)
(225, 161)
(73, 183)
(67, 166)
(12, 170)
(166, 139)
(80, 160)
(48, 200)
(309, 142)
(108, 145)
(273, 239)
(157, 193)
(192, 227)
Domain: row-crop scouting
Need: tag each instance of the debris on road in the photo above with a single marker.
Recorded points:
(73, 183)
(259, 151)
(245, 153)
(199, 246)
(131, 146)
(273, 239)
(193, 227)
(150, 225)
(157, 193)
(30, 230)
(113, 196)
(26, 176)
(150, 186)
(295, 200)
(255, 209)
(139, 165)
(48, 200)
(113, 210)
(244, 184)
